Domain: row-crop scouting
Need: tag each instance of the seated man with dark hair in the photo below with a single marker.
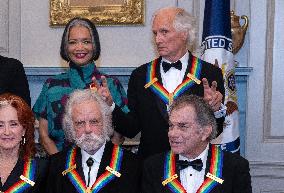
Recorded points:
(193, 164)
(92, 164)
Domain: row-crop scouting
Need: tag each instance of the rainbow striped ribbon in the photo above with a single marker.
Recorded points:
(169, 171)
(216, 165)
(158, 89)
(105, 178)
(29, 173)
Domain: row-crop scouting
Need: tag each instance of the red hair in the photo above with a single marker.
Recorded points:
(26, 119)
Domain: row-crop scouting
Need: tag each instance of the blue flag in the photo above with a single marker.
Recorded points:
(217, 49)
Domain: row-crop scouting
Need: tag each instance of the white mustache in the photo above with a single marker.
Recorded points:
(90, 142)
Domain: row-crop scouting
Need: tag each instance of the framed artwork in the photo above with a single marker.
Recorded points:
(101, 12)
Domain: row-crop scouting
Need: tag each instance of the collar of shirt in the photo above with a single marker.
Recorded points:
(97, 156)
(190, 178)
(202, 156)
(172, 78)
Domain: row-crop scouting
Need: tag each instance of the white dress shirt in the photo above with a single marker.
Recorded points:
(94, 169)
(190, 178)
(172, 78)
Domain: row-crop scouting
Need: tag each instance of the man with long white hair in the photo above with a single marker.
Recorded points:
(92, 163)
(155, 85)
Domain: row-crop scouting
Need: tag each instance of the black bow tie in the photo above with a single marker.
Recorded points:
(167, 66)
(195, 164)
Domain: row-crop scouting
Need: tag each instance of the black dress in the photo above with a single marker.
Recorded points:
(39, 166)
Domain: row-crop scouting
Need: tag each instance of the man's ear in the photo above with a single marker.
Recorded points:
(207, 130)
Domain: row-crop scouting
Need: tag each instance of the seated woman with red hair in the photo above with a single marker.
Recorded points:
(20, 171)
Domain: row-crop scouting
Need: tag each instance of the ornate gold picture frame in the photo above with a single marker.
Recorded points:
(101, 12)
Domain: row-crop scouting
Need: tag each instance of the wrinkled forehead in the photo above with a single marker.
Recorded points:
(86, 108)
(182, 112)
(164, 17)
(168, 13)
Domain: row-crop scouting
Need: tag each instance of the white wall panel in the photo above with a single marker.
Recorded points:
(265, 137)
(4, 26)
(277, 104)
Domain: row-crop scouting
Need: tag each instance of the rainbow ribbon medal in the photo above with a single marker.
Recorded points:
(105, 178)
(170, 176)
(158, 89)
(26, 179)
(215, 171)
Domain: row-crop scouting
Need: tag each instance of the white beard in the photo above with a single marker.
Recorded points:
(90, 142)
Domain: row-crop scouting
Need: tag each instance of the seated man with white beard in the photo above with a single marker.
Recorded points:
(92, 163)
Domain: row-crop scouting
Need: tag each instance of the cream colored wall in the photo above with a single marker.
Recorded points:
(30, 39)
(122, 46)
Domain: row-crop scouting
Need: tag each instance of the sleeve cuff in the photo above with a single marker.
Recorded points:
(221, 113)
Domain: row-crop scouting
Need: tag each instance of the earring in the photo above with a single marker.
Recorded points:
(23, 140)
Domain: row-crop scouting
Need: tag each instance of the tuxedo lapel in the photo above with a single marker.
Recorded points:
(216, 189)
(79, 166)
(160, 104)
(208, 161)
(189, 63)
(177, 170)
(168, 172)
(105, 161)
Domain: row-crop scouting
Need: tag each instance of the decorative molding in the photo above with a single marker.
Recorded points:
(39, 74)
(267, 137)
(267, 170)
(116, 71)
(49, 71)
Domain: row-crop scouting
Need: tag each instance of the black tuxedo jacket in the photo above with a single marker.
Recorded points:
(148, 113)
(40, 176)
(235, 171)
(13, 78)
(127, 183)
